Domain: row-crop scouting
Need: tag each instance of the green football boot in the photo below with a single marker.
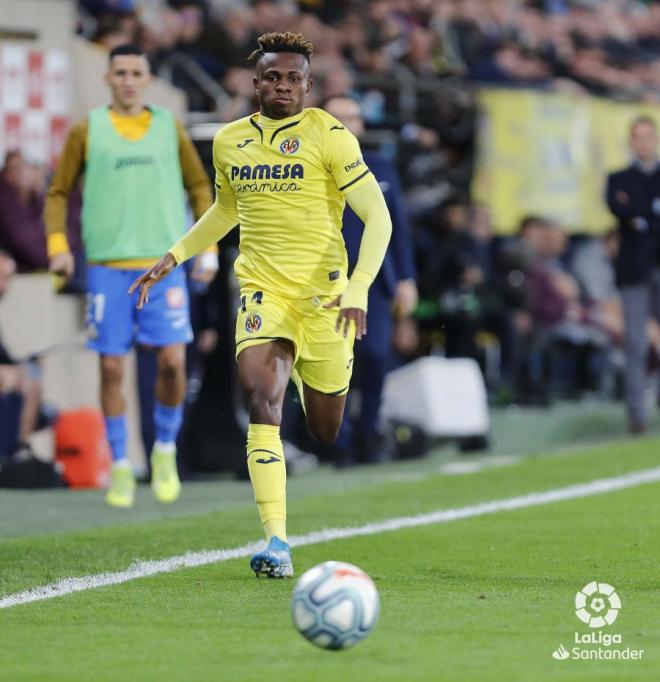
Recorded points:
(164, 476)
(121, 492)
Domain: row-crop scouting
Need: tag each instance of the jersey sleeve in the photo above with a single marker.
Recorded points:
(71, 165)
(344, 158)
(224, 192)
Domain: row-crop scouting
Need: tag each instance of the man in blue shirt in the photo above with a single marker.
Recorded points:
(392, 295)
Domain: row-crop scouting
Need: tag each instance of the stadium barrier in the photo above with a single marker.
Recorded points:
(445, 397)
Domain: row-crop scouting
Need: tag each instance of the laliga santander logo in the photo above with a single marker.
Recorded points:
(597, 604)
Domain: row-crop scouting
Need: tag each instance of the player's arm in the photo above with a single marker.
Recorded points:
(368, 203)
(215, 224)
(198, 188)
(360, 189)
(63, 183)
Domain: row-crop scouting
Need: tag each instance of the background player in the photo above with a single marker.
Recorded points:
(137, 162)
(284, 174)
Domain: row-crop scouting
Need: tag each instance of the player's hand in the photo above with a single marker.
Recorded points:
(154, 274)
(204, 267)
(62, 264)
(345, 316)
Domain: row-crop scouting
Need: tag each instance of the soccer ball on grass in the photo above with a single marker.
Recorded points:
(335, 605)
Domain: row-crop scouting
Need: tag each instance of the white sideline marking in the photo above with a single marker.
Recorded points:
(459, 468)
(143, 569)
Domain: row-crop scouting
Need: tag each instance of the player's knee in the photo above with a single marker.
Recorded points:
(265, 406)
(112, 369)
(325, 432)
(171, 363)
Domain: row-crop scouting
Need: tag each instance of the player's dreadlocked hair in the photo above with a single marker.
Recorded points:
(282, 42)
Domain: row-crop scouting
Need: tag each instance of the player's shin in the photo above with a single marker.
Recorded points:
(164, 476)
(117, 434)
(121, 492)
(167, 422)
(265, 459)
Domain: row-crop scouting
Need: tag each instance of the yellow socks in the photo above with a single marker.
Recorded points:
(265, 458)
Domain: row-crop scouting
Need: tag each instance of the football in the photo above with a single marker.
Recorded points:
(335, 605)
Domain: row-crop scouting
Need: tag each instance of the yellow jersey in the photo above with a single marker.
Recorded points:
(286, 180)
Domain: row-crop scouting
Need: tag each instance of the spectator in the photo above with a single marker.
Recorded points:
(22, 231)
(592, 265)
(21, 203)
(20, 386)
(449, 277)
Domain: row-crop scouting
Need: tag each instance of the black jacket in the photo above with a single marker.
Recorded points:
(630, 195)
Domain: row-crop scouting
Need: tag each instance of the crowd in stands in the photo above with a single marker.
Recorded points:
(608, 47)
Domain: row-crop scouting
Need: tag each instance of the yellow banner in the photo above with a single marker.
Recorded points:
(549, 155)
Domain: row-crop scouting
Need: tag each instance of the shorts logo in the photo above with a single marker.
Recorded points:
(175, 298)
(290, 145)
(252, 323)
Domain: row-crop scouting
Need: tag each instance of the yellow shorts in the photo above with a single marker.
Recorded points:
(323, 357)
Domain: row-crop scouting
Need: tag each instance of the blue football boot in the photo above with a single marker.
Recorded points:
(274, 561)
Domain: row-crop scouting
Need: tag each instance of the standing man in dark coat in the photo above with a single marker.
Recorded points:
(394, 293)
(633, 195)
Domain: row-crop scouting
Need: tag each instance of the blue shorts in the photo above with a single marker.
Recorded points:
(114, 323)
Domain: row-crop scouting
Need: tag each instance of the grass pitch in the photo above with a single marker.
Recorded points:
(486, 598)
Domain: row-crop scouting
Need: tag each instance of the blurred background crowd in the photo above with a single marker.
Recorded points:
(609, 47)
(535, 303)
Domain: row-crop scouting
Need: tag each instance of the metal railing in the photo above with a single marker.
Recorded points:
(196, 73)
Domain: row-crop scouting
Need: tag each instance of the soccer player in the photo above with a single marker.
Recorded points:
(284, 175)
(137, 161)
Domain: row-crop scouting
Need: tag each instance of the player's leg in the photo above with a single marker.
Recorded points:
(264, 372)
(168, 416)
(325, 365)
(266, 341)
(109, 328)
(325, 413)
(164, 324)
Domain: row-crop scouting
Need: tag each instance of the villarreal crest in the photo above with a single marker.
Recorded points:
(252, 323)
(290, 145)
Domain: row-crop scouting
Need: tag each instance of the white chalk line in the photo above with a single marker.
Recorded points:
(144, 569)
